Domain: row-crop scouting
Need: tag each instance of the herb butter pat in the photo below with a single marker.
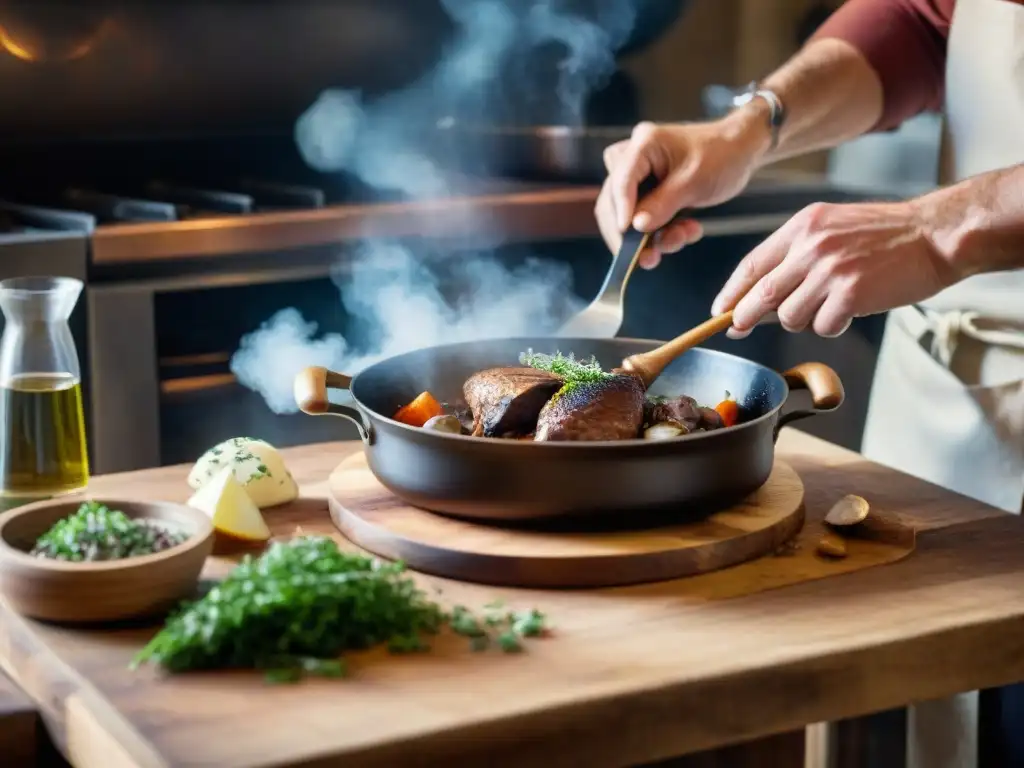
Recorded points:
(257, 467)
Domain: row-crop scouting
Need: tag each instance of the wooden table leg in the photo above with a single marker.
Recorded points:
(19, 726)
(783, 750)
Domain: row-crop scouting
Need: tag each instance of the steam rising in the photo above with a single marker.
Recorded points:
(506, 56)
(398, 302)
(490, 73)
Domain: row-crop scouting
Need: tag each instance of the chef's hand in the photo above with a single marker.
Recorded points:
(832, 263)
(697, 164)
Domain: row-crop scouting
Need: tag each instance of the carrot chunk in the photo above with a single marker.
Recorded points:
(419, 411)
(729, 410)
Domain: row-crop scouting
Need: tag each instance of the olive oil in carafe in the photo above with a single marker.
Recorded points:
(42, 435)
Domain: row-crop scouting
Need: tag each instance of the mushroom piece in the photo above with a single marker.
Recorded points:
(831, 545)
(445, 423)
(849, 510)
(665, 430)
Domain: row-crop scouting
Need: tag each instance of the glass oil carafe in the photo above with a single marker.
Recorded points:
(42, 424)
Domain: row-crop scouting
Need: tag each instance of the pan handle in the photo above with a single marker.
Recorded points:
(311, 387)
(824, 385)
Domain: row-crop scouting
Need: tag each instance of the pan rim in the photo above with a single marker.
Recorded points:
(636, 444)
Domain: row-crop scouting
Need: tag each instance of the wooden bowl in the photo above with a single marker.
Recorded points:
(111, 590)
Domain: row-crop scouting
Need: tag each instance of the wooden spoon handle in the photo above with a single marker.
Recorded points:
(649, 365)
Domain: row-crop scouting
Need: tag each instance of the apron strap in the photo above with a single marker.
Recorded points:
(946, 328)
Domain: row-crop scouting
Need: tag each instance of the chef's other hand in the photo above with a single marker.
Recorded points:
(697, 165)
(832, 263)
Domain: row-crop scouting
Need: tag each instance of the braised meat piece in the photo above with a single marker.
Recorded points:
(464, 415)
(710, 419)
(682, 409)
(505, 402)
(609, 409)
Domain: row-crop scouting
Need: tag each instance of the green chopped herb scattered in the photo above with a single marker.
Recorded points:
(96, 532)
(529, 624)
(572, 371)
(295, 609)
(465, 623)
(509, 642)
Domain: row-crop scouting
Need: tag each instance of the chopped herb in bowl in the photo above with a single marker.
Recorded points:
(95, 532)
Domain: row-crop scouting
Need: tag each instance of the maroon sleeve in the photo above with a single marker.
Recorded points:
(905, 42)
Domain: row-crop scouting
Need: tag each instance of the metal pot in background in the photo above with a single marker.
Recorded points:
(543, 153)
(114, 68)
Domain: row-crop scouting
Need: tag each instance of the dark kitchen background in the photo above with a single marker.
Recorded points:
(246, 188)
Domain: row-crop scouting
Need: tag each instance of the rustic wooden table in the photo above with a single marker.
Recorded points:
(633, 675)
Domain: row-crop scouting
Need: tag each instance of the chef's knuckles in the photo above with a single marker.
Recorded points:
(821, 268)
(612, 153)
(698, 164)
(818, 262)
(677, 235)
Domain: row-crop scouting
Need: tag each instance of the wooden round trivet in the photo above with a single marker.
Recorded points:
(378, 521)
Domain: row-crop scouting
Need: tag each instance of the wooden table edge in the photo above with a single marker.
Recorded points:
(634, 728)
(83, 721)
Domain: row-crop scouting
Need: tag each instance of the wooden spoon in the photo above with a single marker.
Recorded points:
(649, 365)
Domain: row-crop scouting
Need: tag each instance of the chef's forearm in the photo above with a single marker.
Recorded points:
(831, 94)
(978, 225)
(869, 67)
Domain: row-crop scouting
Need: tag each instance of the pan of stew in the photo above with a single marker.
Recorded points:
(532, 428)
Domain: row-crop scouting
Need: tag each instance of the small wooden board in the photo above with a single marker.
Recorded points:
(375, 519)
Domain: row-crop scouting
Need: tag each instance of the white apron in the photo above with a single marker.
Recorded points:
(947, 403)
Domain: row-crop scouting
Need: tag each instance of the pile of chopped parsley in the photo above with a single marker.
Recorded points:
(96, 532)
(300, 605)
(572, 371)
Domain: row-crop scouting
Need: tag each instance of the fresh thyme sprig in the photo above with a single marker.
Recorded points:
(572, 371)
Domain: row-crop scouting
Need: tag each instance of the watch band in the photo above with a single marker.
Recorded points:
(776, 109)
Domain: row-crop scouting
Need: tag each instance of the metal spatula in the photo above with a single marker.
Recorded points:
(603, 318)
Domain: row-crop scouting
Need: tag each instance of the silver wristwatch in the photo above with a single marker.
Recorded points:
(776, 109)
